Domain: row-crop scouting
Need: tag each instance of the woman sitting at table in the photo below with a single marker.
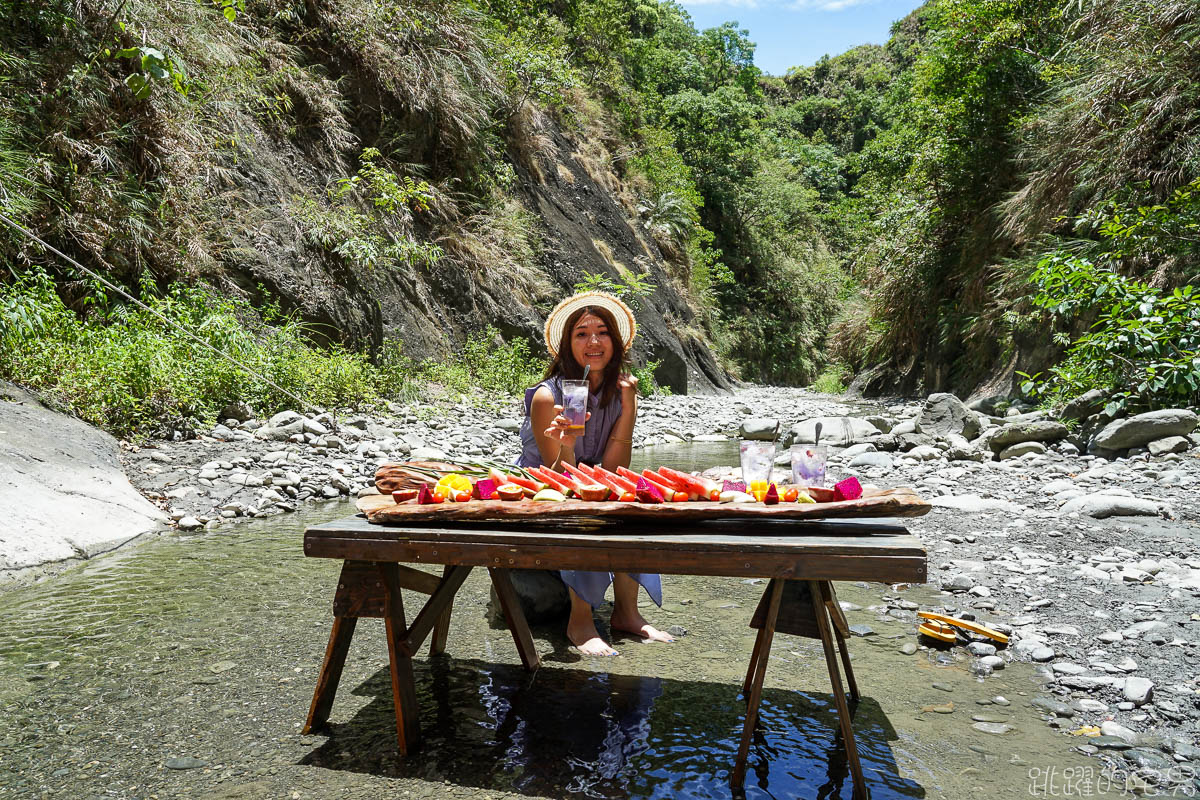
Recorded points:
(591, 329)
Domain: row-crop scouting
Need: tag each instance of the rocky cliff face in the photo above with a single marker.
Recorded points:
(582, 214)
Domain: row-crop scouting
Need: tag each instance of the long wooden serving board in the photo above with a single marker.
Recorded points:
(382, 510)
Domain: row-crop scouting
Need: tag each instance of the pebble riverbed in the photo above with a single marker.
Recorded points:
(1090, 564)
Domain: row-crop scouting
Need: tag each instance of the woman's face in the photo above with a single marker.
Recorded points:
(590, 343)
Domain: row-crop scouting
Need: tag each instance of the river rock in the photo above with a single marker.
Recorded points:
(957, 583)
(943, 414)
(1056, 707)
(1101, 505)
(221, 432)
(1138, 690)
(834, 431)
(964, 454)
(874, 459)
(1042, 654)
(1171, 444)
(1140, 430)
(1021, 449)
(974, 504)
(1036, 431)
(63, 492)
(237, 410)
(542, 593)
(1110, 728)
(923, 452)
(763, 429)
(1084, 406)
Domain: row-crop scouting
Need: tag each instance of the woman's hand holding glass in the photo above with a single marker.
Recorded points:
(560, 426)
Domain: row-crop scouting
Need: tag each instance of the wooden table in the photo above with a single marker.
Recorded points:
(789, 553)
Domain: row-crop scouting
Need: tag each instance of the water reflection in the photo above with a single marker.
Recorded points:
(572, 732)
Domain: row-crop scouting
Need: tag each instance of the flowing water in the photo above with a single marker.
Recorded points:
(184, 667)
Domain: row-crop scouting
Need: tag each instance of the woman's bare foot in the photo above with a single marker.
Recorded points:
(638, 626)
(581, 630)
(587, 640)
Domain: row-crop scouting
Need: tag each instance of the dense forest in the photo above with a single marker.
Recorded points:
(1006, 187)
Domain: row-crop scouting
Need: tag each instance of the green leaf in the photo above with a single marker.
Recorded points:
(139, 85)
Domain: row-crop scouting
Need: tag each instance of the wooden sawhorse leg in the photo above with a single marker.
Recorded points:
(331, 672)
(830, 623)
(758, 660)
(374, 589)
(835, 678)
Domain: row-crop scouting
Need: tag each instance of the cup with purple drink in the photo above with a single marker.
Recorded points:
(808, 464)
(575, 397)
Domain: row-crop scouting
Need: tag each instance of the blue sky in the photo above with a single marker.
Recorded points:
(794, 33)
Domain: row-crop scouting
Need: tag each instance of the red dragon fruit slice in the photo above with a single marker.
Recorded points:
(849, 489)
(646, 492)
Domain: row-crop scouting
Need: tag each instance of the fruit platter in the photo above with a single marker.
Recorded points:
(434, 491)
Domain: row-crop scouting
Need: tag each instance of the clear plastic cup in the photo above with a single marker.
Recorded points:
(758, 458)
(808, 464)
(575, 397)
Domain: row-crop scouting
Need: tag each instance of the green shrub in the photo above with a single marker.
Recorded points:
(648, 384)
(832, 380)
(487, 363)
(1144, 348)
(630, 287)
(121, 368)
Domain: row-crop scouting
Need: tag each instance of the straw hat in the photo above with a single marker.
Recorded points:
(626, 325)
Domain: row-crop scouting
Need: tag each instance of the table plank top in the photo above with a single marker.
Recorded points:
(875, 537)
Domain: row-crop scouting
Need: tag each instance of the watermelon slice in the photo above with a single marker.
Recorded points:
(424, 496)
(849, 489)
(772, 496)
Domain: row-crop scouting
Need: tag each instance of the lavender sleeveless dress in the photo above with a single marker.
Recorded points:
(589, 449)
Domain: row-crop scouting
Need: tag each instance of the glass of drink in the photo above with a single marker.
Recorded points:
(808, 465)
(575, 397)
(757, 460)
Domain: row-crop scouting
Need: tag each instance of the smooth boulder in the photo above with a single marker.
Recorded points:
(834, 431)
(1021, 449)
(63, 492)
(1140, 430)
(1101, 505)
(943, 414)
(1169, 445)
(1038, 431)
(1082, 407)
(763, 429)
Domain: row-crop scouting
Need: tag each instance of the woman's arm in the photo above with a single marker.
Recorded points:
(620, 441)
(549, 428)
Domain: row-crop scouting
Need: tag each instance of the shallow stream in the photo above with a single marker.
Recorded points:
(184, 667)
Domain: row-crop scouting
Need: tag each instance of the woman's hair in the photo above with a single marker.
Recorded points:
(565, 365)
